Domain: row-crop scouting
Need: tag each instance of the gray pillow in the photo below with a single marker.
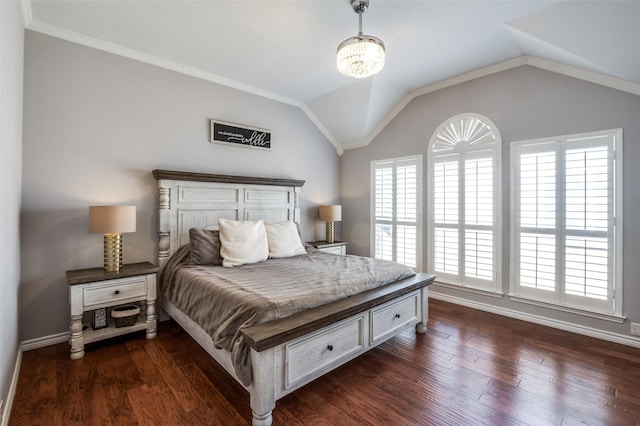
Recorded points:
(205, 247)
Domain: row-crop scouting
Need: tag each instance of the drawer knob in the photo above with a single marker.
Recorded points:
(397, 315)
(117, 291)
(330, 347)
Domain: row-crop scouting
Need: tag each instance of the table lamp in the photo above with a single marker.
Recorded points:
(112, 222)
(330, 214)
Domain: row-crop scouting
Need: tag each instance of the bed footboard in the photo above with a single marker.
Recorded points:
(286, 354)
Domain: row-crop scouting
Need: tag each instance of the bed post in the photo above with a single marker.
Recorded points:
(164, 236)
(263, 399)
(421, 327)
(296, 205)
(164, 211)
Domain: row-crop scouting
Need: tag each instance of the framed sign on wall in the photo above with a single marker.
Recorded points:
(239, 135)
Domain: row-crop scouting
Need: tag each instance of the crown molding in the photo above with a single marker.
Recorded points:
(481, 72)
(137, 55)
(380, 127)
(567, 70)
(27, 14)
(582, 74)
(472, 75)
(327, 134)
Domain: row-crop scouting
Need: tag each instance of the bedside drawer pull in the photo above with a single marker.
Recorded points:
(330, 347)
(117, 292)
(397, 315)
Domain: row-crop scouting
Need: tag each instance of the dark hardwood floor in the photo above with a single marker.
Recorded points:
(471, 368)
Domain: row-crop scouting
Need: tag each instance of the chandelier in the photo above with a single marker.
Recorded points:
(362, 55)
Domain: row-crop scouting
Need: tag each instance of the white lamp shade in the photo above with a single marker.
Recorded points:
(330, 213)
(112, 219)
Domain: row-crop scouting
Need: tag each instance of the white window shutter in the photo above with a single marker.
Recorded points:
(396, 219)
(566, 192)
(464, 194)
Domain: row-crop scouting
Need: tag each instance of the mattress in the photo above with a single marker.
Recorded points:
(223, 301)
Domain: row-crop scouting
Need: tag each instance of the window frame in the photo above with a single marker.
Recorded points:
(610, 309)
(375, 164)
(463, 152)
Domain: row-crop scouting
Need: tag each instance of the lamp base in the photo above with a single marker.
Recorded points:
(112, 252)
(331, 232)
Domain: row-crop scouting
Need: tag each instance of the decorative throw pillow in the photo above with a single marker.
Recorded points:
(242, 242)
(205, 247)
(284, 240)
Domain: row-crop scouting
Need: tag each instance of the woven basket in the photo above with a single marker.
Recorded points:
(126, 315)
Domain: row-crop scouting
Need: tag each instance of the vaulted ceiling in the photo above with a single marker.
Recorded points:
(285, 50)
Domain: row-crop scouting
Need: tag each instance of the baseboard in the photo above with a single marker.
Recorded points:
(6, 410)
(27, 345)
(41, 342)
(536, 319)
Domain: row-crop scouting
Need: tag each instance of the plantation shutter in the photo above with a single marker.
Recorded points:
(463, 215)
(464, 246)
(566, 233)
(384, 211)
(479, 216)
(395, 208)
(407, 212)
(538, 218)
(588, 205)
(446, 201)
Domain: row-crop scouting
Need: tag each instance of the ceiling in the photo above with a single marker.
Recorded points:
(285, 50)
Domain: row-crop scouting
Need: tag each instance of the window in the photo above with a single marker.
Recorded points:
(566, 224)
(464, 203)
(396, 190)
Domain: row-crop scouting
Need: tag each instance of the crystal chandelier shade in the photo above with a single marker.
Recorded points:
(360, 56)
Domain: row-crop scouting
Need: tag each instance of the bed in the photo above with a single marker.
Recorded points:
(290, 351)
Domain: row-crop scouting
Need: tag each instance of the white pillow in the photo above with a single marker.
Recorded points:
(284, 240)
(242, 242)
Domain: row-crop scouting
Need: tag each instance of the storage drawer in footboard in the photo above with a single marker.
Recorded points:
(323, 350)
(387, 319)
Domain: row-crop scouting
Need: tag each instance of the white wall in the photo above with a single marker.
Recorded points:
(96, 124)
(524, 103)
(11, 62)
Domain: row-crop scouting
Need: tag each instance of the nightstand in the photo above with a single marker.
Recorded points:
(337, 247)
(94, 288)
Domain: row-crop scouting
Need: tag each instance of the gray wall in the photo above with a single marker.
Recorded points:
(11, 62)
(96, 124)
(524, 103)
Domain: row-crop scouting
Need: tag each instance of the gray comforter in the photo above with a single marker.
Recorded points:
(225, 300)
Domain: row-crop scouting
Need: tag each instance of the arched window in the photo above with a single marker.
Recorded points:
(464, 238)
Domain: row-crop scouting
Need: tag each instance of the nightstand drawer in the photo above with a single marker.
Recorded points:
(341, 250)
(114, 291)
(337, 247)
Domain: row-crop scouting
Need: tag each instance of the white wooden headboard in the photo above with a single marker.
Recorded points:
(197, 200)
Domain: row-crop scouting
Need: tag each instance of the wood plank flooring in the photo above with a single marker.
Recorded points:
(471, 368)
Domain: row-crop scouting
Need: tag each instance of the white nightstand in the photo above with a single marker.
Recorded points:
(94, 288)
(337, 247)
